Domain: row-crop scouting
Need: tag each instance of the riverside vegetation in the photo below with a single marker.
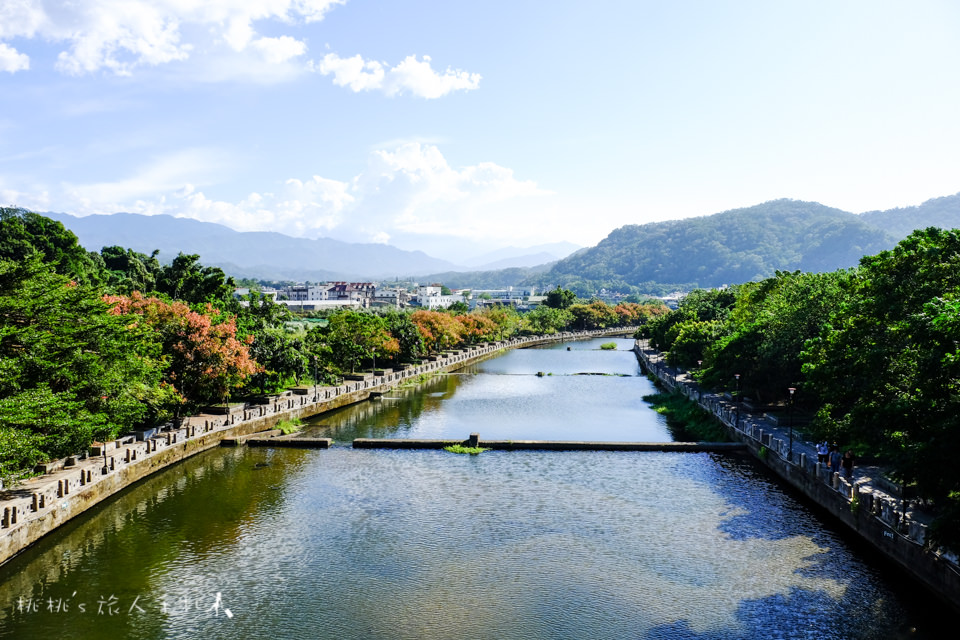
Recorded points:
(94, 345)
(873, 353)
(685, 419)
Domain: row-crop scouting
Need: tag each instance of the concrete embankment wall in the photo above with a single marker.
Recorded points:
(878, 518)
(69, 487)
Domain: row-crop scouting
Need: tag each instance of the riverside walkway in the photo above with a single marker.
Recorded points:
(69, 486)
(868, 503)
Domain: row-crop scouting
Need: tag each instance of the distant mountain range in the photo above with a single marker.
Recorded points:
(741, 245)
(724, 248)
(274, 256)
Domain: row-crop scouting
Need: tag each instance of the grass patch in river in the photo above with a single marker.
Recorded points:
(289, 426)
(459, 448)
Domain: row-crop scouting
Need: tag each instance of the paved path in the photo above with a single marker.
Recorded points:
(866, 478)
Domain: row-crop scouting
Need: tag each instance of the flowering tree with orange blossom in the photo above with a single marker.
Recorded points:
(439, 330)
(204, 359)
(477, 328)
(634, 314)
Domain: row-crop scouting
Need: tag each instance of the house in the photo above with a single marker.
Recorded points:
(361, 292)
(431, 297)
(396, 297)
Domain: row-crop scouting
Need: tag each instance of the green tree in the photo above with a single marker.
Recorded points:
(354, 336)
(186, 279)
(69, 370)
(560, 298)
(545, 320)
(886, 367)
(280, 358)
(405, 332)
(23, 232)
(764, 335)
(127, 271)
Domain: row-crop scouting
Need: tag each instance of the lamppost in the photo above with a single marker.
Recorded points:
(790, 422)
(700, 371)
(736, 423)
(316, 382)
(103, 446)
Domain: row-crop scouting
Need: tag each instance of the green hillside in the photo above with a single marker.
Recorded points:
(936, 212)
(726, 248)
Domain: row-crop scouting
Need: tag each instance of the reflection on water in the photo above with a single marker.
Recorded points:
(347, 543)
(504, 398)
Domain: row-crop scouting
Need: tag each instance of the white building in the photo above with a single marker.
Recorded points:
(431, 297)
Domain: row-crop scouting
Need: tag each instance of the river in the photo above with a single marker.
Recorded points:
(343, 543)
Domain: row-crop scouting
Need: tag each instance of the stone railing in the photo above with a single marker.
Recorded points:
(864, 501)
(71, 485)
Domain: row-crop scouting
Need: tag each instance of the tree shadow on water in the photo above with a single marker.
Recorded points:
(804, 614)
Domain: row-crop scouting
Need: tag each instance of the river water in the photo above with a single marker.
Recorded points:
(343, 543)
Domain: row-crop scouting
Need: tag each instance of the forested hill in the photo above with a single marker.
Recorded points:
(725, 248)
(936, 212)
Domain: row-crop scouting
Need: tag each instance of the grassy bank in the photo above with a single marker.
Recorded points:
(685, 419)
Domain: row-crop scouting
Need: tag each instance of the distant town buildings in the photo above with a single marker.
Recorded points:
(514, 296)
(363, 295)
(317, 297)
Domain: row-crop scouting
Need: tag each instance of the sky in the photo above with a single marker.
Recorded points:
(461, 127)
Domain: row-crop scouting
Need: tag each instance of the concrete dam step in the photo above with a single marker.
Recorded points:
(548, 445)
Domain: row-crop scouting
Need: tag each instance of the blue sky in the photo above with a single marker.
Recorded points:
(460, 127)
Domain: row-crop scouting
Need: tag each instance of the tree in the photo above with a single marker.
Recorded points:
(69, 371)
(127, 271)
(764, 334)
(506, 319)
(354, 336)
(545, 320)
(477, 328)
(560, 298)
(204, 359)
(23, 232)
(186, 279)
(886, 366)
(595, 315)
(405, 332)
(279, 358)
(439, 330)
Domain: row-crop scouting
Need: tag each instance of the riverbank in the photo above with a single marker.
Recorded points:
(69, 487)
(867, 503)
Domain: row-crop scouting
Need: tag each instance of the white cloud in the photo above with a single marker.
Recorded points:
(149, 184)
(277, 50)
(409, 76)
(419, 78)
(409, 189)
(220, 36)
(353, 72)
(121, 35)
(12, 60)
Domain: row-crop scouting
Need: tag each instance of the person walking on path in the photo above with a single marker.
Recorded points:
(847, 464)
(835, 458)
(823, 452)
